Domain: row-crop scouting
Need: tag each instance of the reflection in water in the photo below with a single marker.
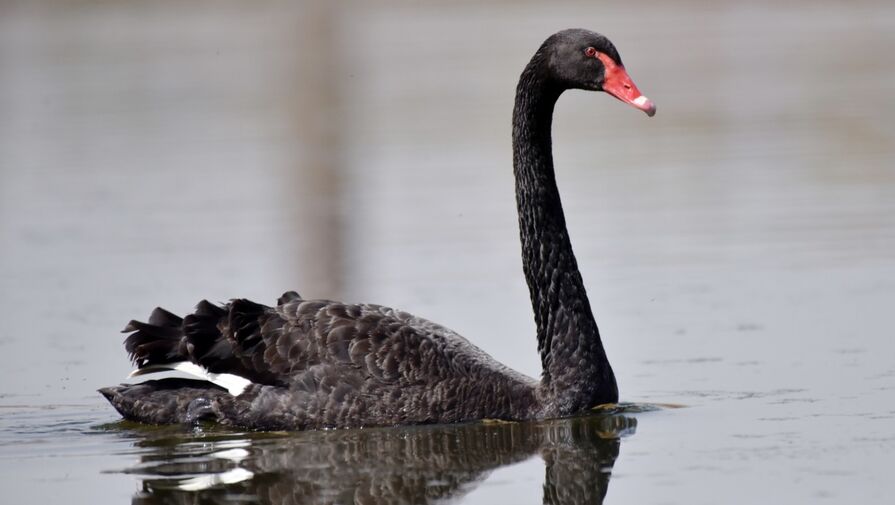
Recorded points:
(423, 464)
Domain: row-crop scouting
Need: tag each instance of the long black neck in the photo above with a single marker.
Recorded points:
(576, 373)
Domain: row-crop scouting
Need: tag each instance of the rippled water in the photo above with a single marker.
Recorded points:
(738, 248)
(425, 464)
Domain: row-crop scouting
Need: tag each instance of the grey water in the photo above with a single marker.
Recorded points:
(738, 248)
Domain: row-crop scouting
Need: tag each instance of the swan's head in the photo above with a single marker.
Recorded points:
(582, 59)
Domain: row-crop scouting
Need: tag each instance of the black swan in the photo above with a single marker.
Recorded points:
(311, 364)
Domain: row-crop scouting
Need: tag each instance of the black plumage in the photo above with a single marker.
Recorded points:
(319, 363)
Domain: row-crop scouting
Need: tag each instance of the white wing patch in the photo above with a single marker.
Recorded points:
(234, 384)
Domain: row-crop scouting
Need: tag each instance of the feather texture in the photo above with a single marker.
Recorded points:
(318, 363)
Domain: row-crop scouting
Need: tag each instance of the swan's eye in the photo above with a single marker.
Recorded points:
(591, 52)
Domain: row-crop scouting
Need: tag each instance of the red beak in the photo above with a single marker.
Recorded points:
(618, 83)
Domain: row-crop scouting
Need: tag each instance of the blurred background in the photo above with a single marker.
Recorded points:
(739, 247)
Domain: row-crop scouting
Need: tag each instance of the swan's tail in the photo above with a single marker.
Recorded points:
(194, 345)
(223, 346)
(167, 338)
(158, 341)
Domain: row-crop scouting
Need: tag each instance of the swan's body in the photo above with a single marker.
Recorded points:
(308, 364)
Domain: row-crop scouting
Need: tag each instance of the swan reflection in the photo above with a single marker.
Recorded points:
(422, 464)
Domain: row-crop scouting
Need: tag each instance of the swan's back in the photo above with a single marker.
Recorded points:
(315, 364)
